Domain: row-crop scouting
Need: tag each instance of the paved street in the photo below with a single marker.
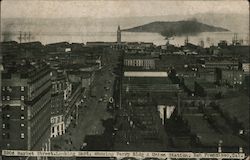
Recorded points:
(90, 117)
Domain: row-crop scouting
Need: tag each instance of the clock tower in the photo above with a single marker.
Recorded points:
(118, 34)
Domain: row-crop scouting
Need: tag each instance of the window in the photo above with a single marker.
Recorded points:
(3, 98)
(22, 98)
(8, 98)
(53, 129)
(8, 116)
(22, 125)
(241, 131)
(22, 135)
(3, 125)
(5, 135)
(3, 88)
(7, 125)
(22, 107)
(22, 116)
(52, 120)
(9, 88)
(6, 107)
(22, 88)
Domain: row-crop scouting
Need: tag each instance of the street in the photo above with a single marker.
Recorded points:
(91, 112)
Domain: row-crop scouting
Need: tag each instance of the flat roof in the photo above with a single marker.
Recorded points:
(146, 80)
(145, 74)
(138, 56)
(237, 105)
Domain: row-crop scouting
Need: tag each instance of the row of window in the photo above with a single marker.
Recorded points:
(7, 107)
(8, 88)
(8, 98)
(7, 136)
(7, 125)
(58, 128)
(7, 116)
(139, 62)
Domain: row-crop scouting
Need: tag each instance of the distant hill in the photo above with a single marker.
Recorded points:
(178, 28)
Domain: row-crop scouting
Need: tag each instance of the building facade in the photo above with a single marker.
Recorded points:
(73, 100)
(26, 98)
(144, 63)
(57, 103)
(1, 69)
(246, 67)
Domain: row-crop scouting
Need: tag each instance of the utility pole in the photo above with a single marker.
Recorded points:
(178, 103)
(25, 36)
(20, 37)
(186, 41)
(235, 39)
(29, 36)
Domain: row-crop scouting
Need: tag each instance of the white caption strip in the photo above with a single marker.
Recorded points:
(118, 154)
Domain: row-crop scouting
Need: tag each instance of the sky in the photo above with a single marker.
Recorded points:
(118, 8)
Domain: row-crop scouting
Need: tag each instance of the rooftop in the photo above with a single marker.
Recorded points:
(145, 74)
(25, 69)
(147, 80)
(80, 73)
(152, 87)
(237, 106)
(58, 44)
(207, 135)
(138, 56)
(205, 84)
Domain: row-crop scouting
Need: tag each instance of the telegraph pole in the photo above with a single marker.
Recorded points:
(25, 36)
(29, 36)
(20, 37)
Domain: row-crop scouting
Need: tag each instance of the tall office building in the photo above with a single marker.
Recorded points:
(1, 69)
(26, 96)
